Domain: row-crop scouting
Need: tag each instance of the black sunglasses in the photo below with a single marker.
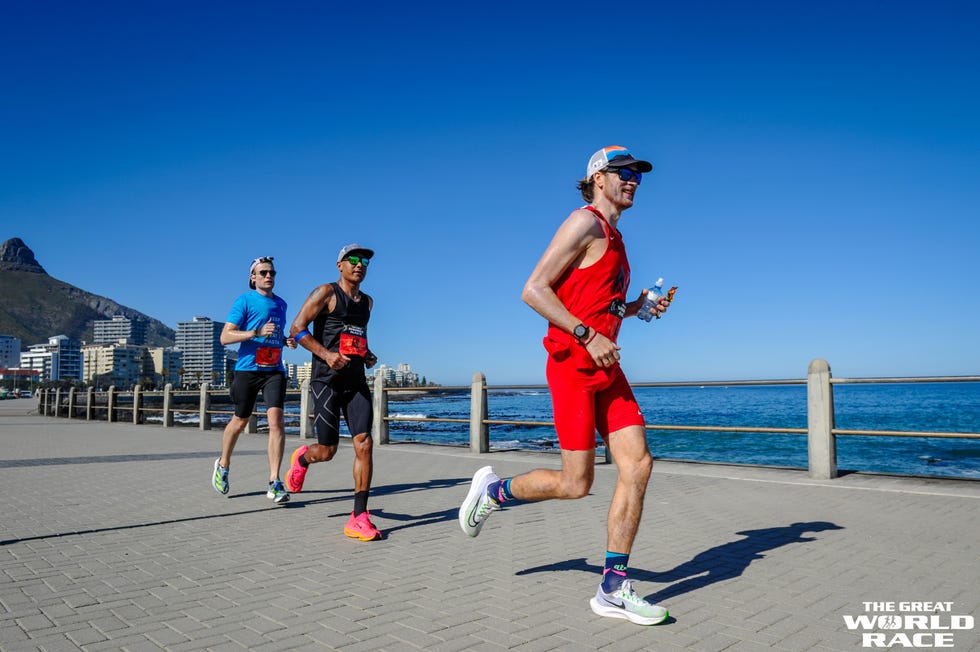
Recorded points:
(266, 272)
(625, 174)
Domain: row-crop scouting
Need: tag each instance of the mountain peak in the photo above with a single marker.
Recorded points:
(15, 256)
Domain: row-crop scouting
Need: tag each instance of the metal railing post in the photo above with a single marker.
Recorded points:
(821, 442)
(168, 405)
(305, 424)
(380, 427)
(204, 420)
(137, 403)
(479, 430)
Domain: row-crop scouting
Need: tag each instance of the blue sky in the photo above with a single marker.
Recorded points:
(816, 187)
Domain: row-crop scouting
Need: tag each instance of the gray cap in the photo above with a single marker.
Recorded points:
(351, 248)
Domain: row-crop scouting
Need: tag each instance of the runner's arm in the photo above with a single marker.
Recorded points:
(569, 247)
(322, 298)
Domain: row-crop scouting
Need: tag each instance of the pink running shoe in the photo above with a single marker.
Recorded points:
(362, 528)
(296, 473)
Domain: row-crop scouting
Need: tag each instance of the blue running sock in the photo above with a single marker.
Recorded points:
(500, 491)
(615, 571)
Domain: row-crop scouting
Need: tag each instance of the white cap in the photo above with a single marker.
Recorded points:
(616, 157)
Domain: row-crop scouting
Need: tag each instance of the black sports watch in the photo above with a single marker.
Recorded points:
(580, 331)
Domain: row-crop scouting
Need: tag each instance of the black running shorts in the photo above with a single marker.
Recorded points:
(330, 401)
(246, 386)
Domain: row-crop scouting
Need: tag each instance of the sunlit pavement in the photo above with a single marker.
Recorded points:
(112, 538)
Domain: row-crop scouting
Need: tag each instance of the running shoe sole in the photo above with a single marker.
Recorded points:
(613, 611)
(357, 534)
(354, 534)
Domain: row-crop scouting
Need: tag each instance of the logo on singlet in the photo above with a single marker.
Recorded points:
(618, 308)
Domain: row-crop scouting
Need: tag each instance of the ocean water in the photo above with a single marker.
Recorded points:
(940, 407)
(953, 407)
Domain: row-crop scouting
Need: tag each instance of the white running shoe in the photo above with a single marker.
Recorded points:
(478, 505)
(625, 603)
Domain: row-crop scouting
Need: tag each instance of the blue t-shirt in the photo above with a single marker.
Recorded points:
(252, 311)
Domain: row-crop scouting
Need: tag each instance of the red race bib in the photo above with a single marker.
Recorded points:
(353, 340)
(267, 356)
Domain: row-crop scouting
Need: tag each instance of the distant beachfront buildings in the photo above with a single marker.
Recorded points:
(400, 376)
(119, 358)
(59, 359)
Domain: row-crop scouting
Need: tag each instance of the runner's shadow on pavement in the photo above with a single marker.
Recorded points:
(413, 520)
(389, 490)
(409, 520)
(714, 565)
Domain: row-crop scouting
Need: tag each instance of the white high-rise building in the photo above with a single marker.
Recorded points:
(59, 359)
(119, 330)
(303, 373)
(204, 357)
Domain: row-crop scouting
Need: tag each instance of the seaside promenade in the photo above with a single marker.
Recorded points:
(113, 539)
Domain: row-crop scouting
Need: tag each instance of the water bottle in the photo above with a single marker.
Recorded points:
(653, 296)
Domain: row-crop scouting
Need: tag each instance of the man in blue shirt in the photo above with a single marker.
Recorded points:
(257, 324)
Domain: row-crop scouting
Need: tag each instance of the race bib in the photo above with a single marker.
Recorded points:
(268, 356)
(353, 340)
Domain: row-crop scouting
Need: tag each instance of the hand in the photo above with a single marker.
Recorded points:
(268, 329)
(290, 342)
(370, 360)
(656, 309)
(604, 352)
(337, 360)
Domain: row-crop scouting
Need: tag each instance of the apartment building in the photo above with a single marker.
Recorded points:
(204, 358)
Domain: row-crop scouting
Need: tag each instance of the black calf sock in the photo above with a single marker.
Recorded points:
(360, 501)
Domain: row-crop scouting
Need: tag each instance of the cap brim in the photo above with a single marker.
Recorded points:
(630, 162)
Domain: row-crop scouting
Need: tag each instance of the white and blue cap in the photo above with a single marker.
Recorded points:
(354, 248)
(615, 156)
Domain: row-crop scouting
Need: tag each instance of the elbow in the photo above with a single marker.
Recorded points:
(528, 294)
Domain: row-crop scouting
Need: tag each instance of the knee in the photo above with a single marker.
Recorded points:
(363, 446)
(639, 469)
(320, 453)
(575, 487)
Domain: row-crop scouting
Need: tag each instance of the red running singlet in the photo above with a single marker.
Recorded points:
(586, 397)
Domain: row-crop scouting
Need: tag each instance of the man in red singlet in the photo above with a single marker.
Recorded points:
(579, 285)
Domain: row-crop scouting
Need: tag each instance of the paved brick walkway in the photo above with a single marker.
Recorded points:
(112, 538)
